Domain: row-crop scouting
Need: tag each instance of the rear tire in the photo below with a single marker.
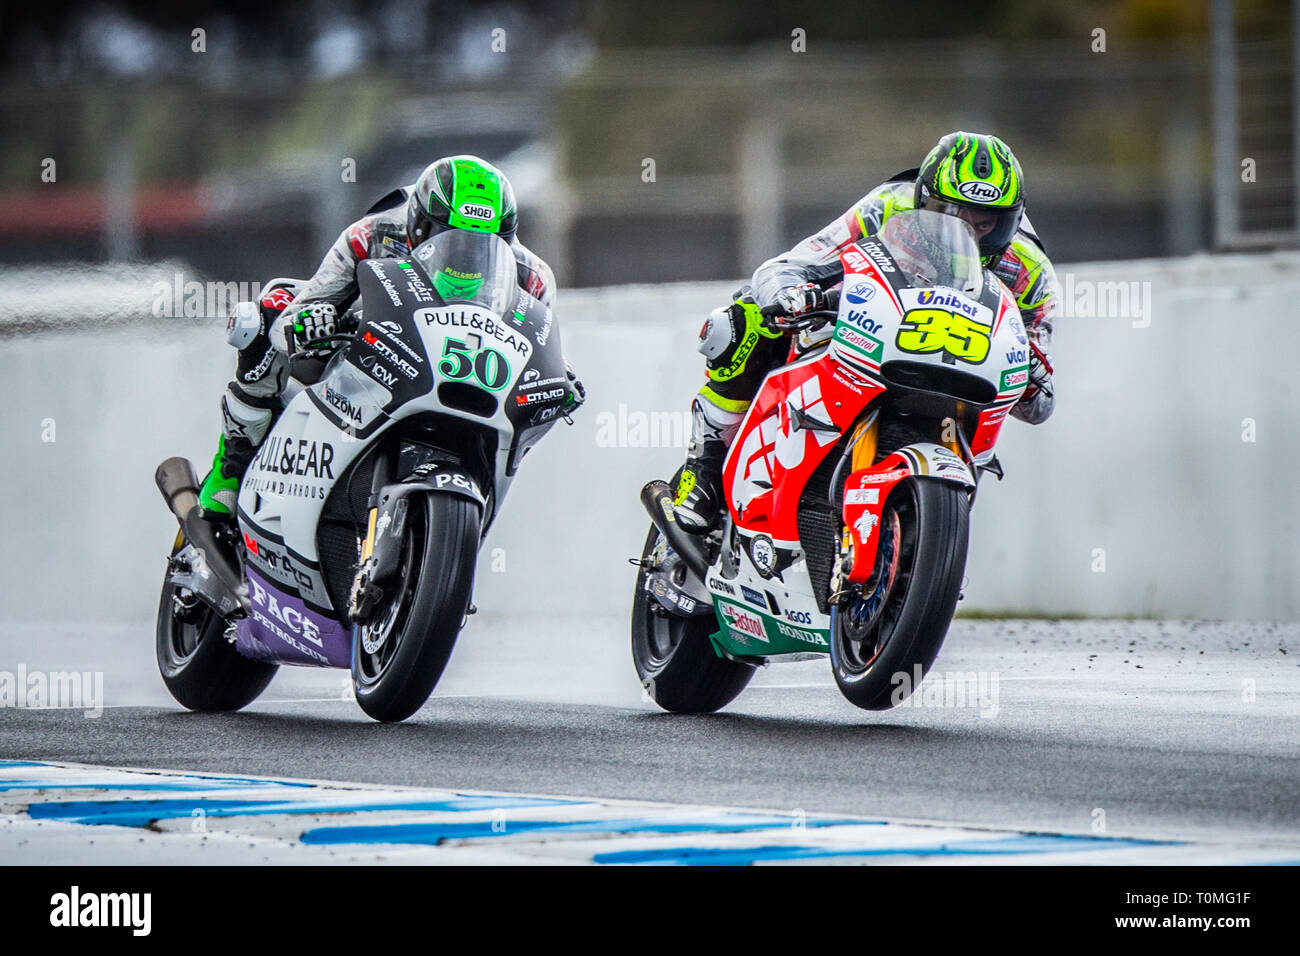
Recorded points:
(201, 669)
(916, 610)
(398, 657)
(674, 657)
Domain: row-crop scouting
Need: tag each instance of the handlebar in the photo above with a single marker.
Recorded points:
(777, 320)
(306, 348)
(806, 320)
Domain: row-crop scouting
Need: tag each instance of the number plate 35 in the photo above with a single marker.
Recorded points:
(938, 330)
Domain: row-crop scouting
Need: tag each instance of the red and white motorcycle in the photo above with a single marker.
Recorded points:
(848, 486)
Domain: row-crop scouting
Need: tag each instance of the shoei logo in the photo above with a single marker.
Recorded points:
(980, 192)
(477, 211)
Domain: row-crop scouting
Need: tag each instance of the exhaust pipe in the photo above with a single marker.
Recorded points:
(179, 485)
(224, 588)
(658, 503)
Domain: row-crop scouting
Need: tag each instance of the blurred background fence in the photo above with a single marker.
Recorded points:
(646, 142)
(147, 152)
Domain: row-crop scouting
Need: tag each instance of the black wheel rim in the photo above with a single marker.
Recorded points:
(379, 639)
(664, 632)
(865, 625)
(191, 624)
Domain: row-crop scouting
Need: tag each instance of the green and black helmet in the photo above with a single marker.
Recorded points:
(460, 192)
(975, 175)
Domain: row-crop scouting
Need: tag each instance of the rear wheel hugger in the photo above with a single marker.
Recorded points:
(202, 670)
(675, 660)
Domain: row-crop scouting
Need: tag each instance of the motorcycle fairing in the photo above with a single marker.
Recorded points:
(281, 629)
(390, 373)
(768, 608)
(745, 633)
(1012, 382)
(284, 490)
(801, 412)
(867, 490)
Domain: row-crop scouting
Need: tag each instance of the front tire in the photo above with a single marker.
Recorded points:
(674, 657)
(201, 669)
(399, 655)
(924, 534)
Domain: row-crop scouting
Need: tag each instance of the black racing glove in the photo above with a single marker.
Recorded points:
(315, 326)
(577, 393)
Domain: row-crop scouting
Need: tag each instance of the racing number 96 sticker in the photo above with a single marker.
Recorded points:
(938, 330)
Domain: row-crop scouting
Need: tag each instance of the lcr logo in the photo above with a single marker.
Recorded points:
(776, 440)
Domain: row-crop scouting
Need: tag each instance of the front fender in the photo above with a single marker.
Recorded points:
(384, 534)
(448, 477)
(867, 490)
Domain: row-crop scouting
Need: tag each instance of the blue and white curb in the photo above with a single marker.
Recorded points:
(67, 814)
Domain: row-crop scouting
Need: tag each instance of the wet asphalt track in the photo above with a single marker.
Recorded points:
(1171, 729)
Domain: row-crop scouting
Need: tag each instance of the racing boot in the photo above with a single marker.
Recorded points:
(221, 486)
(245, 420)
(698, 500)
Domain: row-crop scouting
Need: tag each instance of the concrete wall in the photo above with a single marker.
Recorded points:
(1144, 459)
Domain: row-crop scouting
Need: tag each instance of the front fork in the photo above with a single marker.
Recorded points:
(365, 594)
(857, 568)
(386, 512)
(861, 456)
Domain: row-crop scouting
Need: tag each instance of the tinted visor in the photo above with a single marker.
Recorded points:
(994, 227)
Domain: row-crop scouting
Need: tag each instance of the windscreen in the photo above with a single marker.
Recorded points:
(934, 249)
(471, 267)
